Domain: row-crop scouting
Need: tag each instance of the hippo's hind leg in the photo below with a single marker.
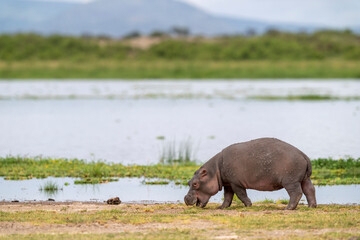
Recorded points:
(241, 194)
(309, 191)
(295, 193)
(228, 197)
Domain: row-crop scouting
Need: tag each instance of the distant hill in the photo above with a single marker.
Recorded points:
(23, 15)
(119, 17)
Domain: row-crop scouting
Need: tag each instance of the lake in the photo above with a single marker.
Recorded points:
(130, 122)
(133, 190)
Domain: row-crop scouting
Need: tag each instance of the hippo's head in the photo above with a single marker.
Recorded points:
(203, 185)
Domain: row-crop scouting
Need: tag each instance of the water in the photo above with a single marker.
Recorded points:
(132, 190)
(95, 89)
(122, 121)
(70, 120)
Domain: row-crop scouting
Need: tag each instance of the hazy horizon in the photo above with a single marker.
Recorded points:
(326, 13)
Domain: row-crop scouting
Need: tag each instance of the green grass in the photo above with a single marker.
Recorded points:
(282, 201)
(161, 213)
(180, 222)
(179, 234)
(265, 201)
(325, 171)
(179, 69)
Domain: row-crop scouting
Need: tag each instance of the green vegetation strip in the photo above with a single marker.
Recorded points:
(272, 46)
(325, 171)
(324, 54)
(178, 69)
(305, 97)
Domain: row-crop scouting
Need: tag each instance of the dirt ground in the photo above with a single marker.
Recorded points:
(94, 227)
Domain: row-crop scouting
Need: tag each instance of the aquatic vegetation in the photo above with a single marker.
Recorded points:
(159, 182)
(304, 97)
(185, 182)
(95, 180)
(50, 187)
(325, 171)
(182, 154)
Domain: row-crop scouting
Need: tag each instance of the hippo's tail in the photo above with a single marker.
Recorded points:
(308, 168)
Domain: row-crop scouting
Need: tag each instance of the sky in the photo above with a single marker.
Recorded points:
(332, 13)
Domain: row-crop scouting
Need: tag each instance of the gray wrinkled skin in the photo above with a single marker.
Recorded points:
(264, 164)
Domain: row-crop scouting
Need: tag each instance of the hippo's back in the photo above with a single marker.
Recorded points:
(264, 164)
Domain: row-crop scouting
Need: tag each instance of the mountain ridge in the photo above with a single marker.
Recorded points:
(116, 18)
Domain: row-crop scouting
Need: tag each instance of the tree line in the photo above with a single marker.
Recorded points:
(273, 45)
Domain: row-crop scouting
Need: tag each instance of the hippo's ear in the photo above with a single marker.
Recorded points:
(203, 173)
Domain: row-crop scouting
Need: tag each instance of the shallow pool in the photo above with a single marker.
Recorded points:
(133, 190)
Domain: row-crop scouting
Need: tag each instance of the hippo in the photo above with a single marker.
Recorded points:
(264, 164)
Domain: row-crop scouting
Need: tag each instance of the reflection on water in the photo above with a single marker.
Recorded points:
(131, 189)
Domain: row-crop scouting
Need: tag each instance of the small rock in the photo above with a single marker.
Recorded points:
(15, 201)
(114, 201)
(51, 200)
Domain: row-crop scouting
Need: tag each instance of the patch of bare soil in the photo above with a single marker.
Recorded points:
(97, 228)
(216, 231)
(82, 207)
(70, 207)
(143, 42)
(289, 234)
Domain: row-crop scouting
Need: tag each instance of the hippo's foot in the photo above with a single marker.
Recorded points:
(248, 203)
(312, 205)
(290, 207)
(309, 191)
(224, 205)
(241, 194)
(228, 197)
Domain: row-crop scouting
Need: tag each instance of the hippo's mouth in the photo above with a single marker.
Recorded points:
(198, 202)
(191, 200)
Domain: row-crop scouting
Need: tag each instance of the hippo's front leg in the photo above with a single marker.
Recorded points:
(228, 197)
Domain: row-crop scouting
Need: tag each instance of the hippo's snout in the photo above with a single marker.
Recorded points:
(190, 200)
